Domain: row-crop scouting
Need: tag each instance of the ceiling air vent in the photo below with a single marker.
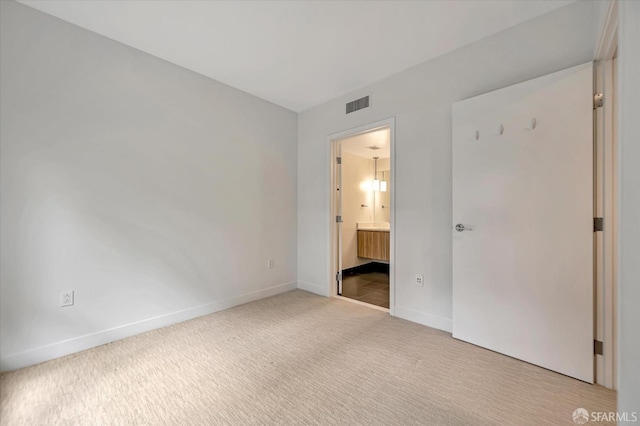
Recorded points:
(358, 104)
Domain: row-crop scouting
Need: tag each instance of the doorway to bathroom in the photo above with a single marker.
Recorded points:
(362, 215)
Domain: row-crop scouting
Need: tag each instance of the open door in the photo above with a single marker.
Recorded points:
(523, 221)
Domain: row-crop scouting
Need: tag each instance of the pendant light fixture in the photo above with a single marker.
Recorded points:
(376, 183)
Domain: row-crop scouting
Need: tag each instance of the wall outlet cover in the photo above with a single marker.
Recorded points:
(66, 298)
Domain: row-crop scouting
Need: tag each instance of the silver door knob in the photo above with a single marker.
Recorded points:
(459, 227)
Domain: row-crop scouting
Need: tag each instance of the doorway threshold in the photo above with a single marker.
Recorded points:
(357, 302)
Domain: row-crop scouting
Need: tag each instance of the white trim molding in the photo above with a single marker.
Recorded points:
(313, 288)
(608, 41)
(430, 320)
(81, 343)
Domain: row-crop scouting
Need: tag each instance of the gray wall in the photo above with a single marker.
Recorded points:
(158, 195)
(629, 224)
(421, 99)
(153, 192)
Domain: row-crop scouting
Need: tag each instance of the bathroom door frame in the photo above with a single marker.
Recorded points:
(334, 248)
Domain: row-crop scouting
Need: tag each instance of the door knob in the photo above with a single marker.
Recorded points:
(460, 227)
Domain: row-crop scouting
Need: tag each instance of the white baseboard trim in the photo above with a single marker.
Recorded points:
(430, 320)
(313, 288)
(77, 344)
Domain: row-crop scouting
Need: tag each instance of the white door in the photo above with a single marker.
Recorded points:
(523, 190)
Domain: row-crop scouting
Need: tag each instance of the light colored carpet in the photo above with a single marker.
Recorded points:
(295, 359)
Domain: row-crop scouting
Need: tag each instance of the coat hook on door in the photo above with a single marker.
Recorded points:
(532, 124)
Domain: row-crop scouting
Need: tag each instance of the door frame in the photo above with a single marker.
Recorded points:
(606, 201)
(333, 228)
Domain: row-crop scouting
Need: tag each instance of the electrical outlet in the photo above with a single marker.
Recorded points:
(419, 280)
(66, 298)
(270, 263)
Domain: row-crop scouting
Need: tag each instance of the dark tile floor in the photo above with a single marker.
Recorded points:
(371, 287)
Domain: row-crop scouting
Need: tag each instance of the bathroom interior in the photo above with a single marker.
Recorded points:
(366, 208)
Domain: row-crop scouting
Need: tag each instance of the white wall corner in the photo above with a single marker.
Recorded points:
(70, 346)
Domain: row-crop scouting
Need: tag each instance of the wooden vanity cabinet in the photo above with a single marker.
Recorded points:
(373, 244)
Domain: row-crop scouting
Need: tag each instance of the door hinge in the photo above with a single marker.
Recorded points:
(338, 160)
(598, 100)
(598, 347)
(338, 219)
(338, 277)
(598, 224)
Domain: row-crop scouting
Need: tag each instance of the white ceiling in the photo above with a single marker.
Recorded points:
(296, 54)
(361, 144)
